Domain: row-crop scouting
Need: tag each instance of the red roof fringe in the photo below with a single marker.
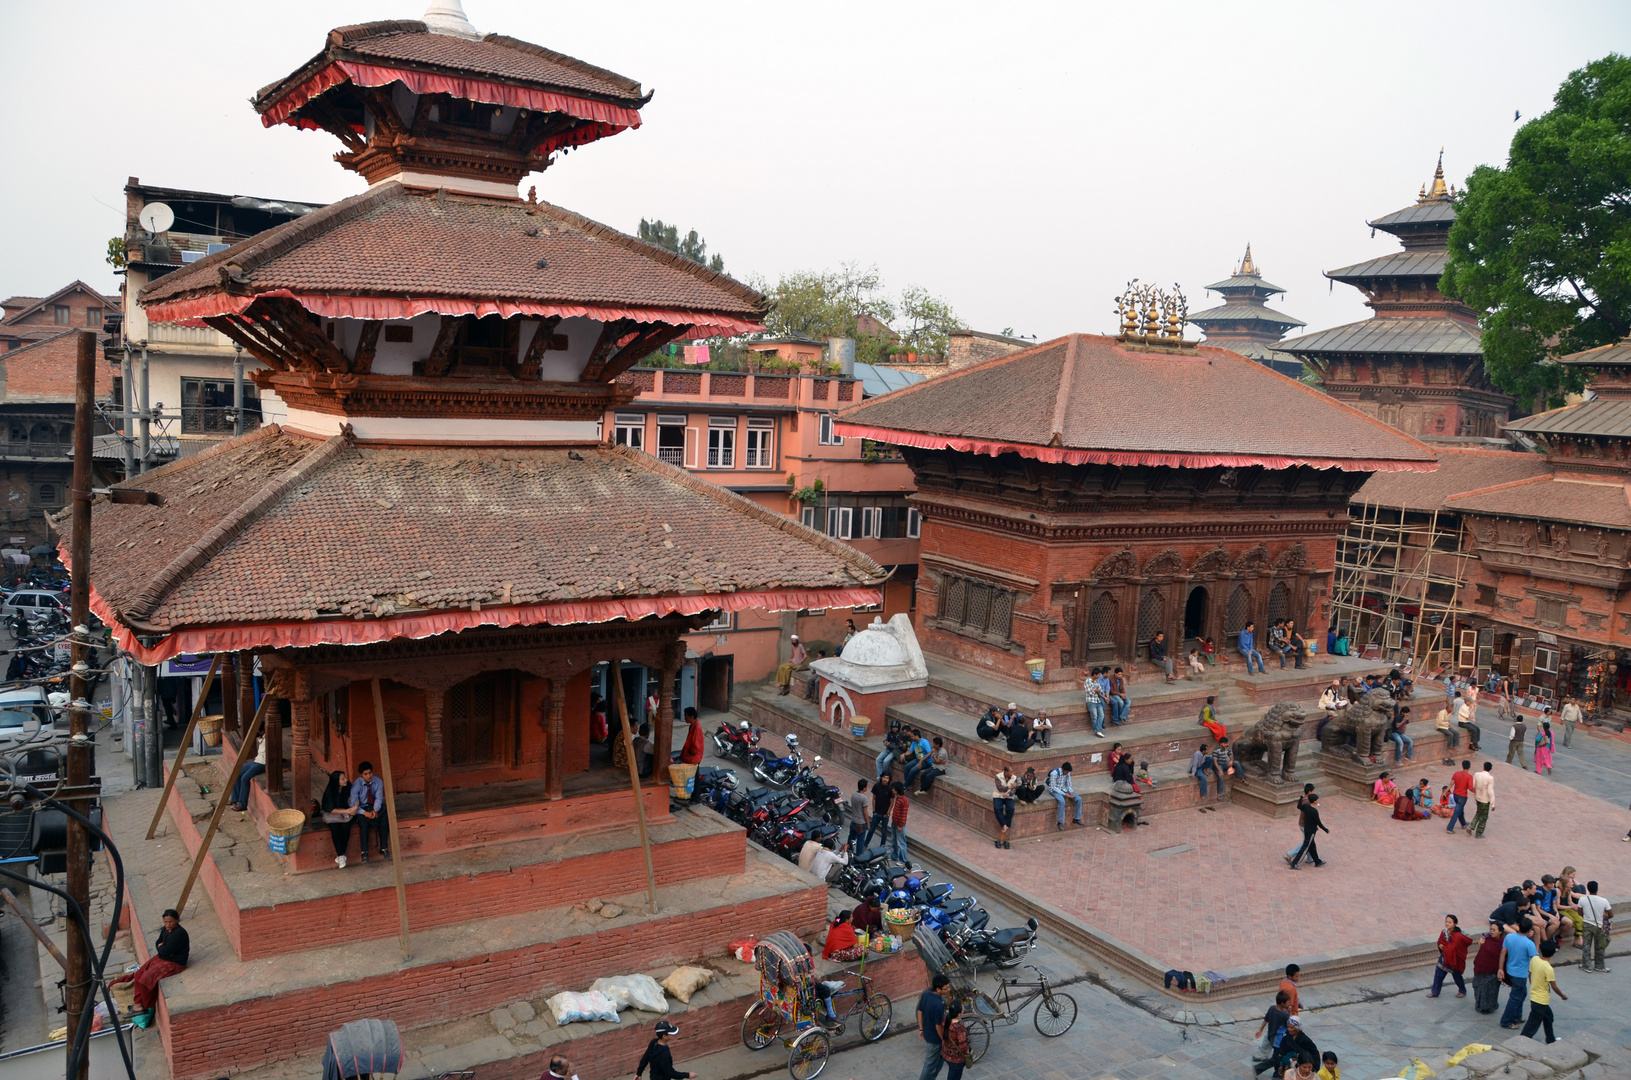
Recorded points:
(1062, 456)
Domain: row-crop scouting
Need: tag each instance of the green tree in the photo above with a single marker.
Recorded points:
(690, 246)
(1542, 247)
(823, 304)
(929, 321)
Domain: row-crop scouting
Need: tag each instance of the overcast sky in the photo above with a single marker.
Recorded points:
(1020, 160)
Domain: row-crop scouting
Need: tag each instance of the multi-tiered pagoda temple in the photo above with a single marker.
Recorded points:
(438, 519)
(1245, 324)
(1416, 363)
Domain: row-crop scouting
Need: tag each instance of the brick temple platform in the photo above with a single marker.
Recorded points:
(1208, 889)
(489, 927)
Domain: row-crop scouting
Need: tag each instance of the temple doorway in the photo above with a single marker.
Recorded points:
(714, 683)
(1195, 611)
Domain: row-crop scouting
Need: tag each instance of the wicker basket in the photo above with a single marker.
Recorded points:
(210, 728)
(902, 924)
(286, 826)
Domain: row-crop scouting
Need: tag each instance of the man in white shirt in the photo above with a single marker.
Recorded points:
(1483, 793)
(1571, 717)
(1597, 913)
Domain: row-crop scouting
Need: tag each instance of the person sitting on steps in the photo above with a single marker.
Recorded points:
(1159, 657)
(1059, 786)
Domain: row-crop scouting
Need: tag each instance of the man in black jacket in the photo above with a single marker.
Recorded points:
(661, 1058)
(1312, 826)
(1159, 657)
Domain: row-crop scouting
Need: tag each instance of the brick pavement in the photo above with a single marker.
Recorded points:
(1231, 901)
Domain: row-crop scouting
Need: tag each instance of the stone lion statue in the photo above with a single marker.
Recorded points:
(1367, 723)
(1271, 743)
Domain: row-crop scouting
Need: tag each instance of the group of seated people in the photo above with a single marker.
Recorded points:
(1412, 803)
(1018, 731)
(1532, 922)
(919, 759)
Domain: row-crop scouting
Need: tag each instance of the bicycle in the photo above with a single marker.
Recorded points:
(1055, 1010)
(808, 1043)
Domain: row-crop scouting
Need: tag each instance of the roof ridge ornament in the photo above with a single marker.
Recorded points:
(1151, 316)
(1438, 192)
(447, 17)
(1248, 268)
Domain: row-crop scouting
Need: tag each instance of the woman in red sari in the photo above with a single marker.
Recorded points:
(169, 958)
(842, 943)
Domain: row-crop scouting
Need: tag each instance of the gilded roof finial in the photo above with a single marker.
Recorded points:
(1247, 267)
(1439, 192)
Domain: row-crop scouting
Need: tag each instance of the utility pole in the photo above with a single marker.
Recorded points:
(146, 416)
(237, 389)
(78, 990)
(127, 415)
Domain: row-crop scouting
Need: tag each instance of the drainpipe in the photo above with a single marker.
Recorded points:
(145, 415)
(126, 415)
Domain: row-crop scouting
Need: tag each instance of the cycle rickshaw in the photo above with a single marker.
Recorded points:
(982, 1012)
(792, 1006)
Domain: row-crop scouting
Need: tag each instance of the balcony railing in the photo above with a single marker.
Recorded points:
(173, 334)
(672, 455)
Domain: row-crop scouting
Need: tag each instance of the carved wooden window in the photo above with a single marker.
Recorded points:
(479, 721)
(953, 596)
(1001, 622)
(1279, 602)
(1238, 613)
(979, 604)
(1152, 611)
(1101, 622)
(1549, 612)
(976, 607)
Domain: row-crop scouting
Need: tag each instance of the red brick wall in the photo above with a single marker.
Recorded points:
(48, 368)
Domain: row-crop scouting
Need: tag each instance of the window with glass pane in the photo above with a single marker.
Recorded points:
(671, 439)
(722, 444)
(207, 406)
(760, 444)
(630, 430)
(827, 437)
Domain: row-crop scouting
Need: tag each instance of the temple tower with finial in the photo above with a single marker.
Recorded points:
(1244, 323)
(1417, 363)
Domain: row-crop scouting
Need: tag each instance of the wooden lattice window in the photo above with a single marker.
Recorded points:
(979, 605)
(953, 595)
(1101, 622)
(1239, 611)
(479, 721)
(1152, 613)
(1549, 612)
(1279, 602)
(1001, 622)
(976, 607)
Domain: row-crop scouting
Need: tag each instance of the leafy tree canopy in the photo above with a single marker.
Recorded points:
(690, 246)
(1543, 246)
(847, 301)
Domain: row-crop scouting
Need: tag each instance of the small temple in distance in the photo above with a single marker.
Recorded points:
(1416, 363)
(437, 520)
(1244, 323)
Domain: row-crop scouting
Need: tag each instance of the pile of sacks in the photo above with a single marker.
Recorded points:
(606, 998)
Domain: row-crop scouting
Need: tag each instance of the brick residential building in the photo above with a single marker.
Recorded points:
(34, 318)
(1416, 363)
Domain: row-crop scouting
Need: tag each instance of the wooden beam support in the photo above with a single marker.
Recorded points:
(229, 694)
(610, 332)
(435, 710)
(640, 348)
(377, 101)
(235, 330)
(332, 122)
(441, 353)
(390, 809)
(186, 738)
(532, 363)
(246, 688)
(277, 688)
(634, 778)
(244, 749)
(362, 363)
(662, 725)
(298, 329)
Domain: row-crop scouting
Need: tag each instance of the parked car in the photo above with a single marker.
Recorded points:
(32, 700)
(34, 600)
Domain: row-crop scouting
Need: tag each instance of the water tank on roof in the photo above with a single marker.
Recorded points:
(842, 350)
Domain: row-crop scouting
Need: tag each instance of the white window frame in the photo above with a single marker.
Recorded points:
(672, 420)
(871, 522)
(721, 625)
(914, 524)
(825, 436)
(721, 442)
(1546, 658)
(839, 521)
(629, 429)
(759, 445)
(807, 517)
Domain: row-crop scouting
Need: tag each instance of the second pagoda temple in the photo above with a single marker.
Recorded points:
(1245, 324)
(1416, 363)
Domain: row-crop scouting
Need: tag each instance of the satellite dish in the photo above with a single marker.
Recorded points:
(156, 217)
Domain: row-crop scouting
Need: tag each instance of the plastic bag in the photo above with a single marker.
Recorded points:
(637, 991)
(569, 1008)
(743, 949)
(682, 982)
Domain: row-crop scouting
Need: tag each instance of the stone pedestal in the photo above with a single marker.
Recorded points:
(1122, 809)
(1349, 776)
(1264, 796)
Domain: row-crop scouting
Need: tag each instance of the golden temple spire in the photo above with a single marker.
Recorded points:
(1247, 267)
(1438, 192)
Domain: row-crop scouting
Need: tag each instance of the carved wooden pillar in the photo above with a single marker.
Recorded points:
(229, 694)
(246, 689)
(1127, 628)
(435, 704)
(300, 710)
(662, 725)
(279, 683)
(555, 747)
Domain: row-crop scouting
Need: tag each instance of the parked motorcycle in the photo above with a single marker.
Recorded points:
(713, 786)
(1004, 948)
(829, 801)
(736, 741)
(791, 837)
(776, 771)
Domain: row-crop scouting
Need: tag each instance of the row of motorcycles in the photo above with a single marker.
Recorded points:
(40, 650)
(812, 809)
